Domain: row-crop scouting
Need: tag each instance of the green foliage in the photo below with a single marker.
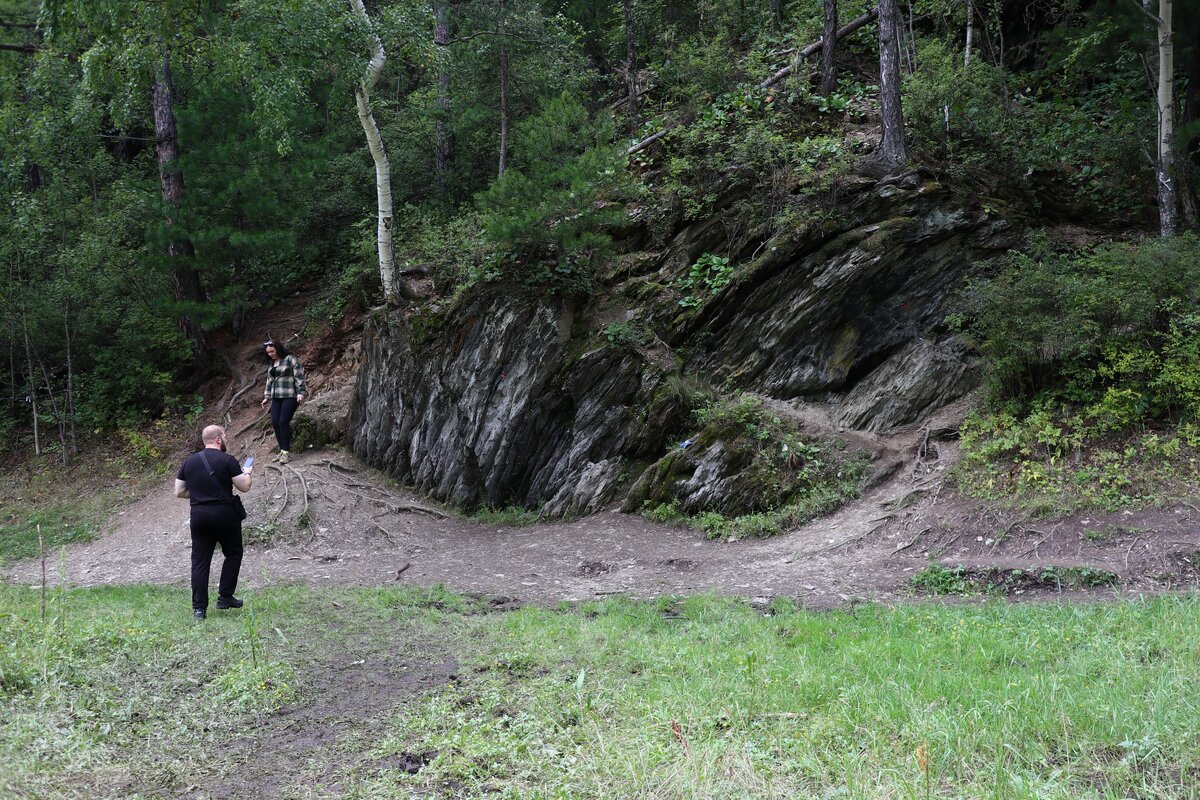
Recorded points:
(746, 139)
(508, 517)
(706, 278)
(784, 478)
(1072, 148)
(1110, 331)
(1084, 352)
(627, 334)
(451, 246)
(1061, 460)
(547, 213)
(937, 579)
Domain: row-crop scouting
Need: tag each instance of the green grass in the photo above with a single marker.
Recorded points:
(71, 504)
(63, 524)
(712, 700)
(507, 517)
(695, 698)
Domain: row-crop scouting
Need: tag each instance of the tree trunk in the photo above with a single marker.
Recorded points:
(185, 283)
(394, 287)
(847, 29)
(970, 32)
(1167, 212)
(776, 7)
(631, 84)
(503, 95)
(69, 401)
(829, 48)
(443, 144)
(30, 373)
(503, 111)
(893, 151)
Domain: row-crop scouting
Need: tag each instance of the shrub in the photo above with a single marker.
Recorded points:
(547, 214)
(1111, 332)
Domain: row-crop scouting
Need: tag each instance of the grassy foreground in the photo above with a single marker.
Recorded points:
(117, 694)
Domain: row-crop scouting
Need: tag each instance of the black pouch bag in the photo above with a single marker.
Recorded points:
(238, 508)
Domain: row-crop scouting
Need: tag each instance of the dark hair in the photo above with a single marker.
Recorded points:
(280, 350)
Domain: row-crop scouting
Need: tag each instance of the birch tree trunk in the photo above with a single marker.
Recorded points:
(394, 287)
(970, 32)
(893, 151)
(829, 48)
(185, 283)
(1168, 216)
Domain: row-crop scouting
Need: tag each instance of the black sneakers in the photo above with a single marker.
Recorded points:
(199, 614)
(229, 602)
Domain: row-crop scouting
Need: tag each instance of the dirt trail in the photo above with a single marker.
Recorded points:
(356, 530)
(325, 519)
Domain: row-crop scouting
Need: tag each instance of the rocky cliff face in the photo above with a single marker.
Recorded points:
(495, 406)
(856, 318)
(503, 399)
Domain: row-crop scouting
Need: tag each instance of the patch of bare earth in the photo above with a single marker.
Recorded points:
(354, 689)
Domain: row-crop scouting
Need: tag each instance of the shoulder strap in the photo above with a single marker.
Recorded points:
(208, 466)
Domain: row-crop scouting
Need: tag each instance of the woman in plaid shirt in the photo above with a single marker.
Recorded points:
(284, 394)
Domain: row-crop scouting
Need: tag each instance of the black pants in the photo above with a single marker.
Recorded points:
(282, 411)
(213, 525)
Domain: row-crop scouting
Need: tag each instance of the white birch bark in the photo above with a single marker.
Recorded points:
(970, 32)
(383, 174)
(1167, 216)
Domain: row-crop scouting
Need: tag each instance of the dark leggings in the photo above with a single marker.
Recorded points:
(282, 412)
(212, 525)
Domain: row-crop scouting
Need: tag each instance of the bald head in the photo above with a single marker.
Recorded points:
(212, 433)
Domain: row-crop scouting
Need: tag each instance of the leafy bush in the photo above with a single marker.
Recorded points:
(707, 277)
(936, 579)
(1111, 332)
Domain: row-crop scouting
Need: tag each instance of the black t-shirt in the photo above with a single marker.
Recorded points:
(203, 488)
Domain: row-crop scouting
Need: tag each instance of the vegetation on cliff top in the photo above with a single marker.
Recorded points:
(267, 181)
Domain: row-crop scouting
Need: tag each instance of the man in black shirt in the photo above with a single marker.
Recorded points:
(207, 479)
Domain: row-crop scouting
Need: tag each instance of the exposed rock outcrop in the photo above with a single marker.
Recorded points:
(817, 319)
(499, 400)
(492, 406)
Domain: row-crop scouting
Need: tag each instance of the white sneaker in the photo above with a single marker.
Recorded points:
(283, 457)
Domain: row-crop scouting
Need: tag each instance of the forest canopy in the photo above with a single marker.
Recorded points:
(169, 166)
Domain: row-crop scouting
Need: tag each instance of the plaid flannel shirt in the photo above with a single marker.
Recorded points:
(285, 379)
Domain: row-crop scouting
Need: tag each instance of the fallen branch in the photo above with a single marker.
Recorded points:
(849, 28)
(649, 140)
(846, 30)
